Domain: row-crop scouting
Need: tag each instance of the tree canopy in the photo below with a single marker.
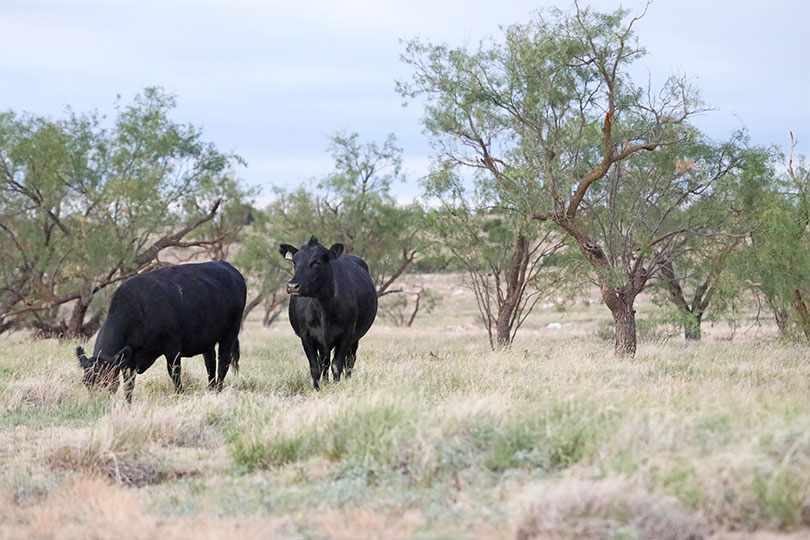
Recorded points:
(552, 115)
(85, 204)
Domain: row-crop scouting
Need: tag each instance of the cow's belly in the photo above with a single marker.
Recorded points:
(333, 335)
(198, 349)
(194, 342)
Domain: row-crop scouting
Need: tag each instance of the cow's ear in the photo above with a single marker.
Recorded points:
(337, 250)
(287, 251)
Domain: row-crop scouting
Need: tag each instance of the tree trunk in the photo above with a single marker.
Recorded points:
(691, 315)
(691, 326)
(802, 311)
(75, 325)
(782, 319)
(624, 316)
(515, 280)
(270, 316)
(503, 330)
(415, 309)
(618, 299)
(249, 307)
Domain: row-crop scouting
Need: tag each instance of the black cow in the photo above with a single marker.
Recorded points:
(178, 311)
(333, 303)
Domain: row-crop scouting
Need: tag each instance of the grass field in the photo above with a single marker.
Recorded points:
(434, 437)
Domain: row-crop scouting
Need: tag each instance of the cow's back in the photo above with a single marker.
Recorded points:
(356, 288)
(355, 304)
(195, 303)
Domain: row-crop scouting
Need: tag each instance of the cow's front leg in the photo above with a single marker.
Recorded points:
(324, 354)
(129, 383)
(314, 361)
(173, 366)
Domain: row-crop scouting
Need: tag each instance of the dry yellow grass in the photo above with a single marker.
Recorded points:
(435, 436)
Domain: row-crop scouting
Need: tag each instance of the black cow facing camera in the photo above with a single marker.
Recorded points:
(333, 303)
(176, 312)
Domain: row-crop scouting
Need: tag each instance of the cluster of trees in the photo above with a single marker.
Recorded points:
(553, 169)
(84, 205)
(86, 202)
(548, 124)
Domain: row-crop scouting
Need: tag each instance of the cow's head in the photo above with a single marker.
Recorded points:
(312, 270)
(101, 372)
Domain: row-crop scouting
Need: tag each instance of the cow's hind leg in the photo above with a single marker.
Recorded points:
(341, 352)
(226, 352)
(173, 367)
(351, 358)
(211, 367)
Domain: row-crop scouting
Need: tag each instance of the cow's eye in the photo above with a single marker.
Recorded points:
(315, 263)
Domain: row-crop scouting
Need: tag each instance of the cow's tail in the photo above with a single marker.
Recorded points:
(235, 356)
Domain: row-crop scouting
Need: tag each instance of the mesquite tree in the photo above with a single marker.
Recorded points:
(84, 206)
(550, 112)
(505, 255)
(701, 277)
(698, 281)
(777, 254)
(402, 309)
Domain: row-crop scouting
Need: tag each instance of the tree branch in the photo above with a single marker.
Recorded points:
(172, 239)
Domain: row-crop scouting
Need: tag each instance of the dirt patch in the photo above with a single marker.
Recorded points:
(135, 471)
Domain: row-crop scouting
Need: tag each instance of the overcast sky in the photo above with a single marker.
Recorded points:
(272, 80)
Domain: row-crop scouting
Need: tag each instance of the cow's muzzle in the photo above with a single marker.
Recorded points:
(293, 289)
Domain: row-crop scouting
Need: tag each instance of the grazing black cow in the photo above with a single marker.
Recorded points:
(178, 311)
(333, 303)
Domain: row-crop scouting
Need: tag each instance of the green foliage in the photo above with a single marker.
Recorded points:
(529, 109)
(776, 259)
(548, 122)
(698, 280)
(85, 202)
(554, 438)
(508, 257)
(258, 259)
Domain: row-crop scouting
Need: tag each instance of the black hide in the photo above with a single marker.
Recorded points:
(333, 303)
(176, 312)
